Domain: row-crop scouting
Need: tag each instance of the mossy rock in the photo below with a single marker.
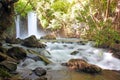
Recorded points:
(3, 50)
(17, 53)
(4, 73)
(43, 58)
(10, 66)
(8, 58)
(13, 40)
(33, 42)
(2, 57)
(74, 52)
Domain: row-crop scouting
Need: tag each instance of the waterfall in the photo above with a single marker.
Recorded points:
(17, 21)
(28, 27)
(32, 24)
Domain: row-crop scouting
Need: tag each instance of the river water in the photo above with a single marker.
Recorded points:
(61, 51)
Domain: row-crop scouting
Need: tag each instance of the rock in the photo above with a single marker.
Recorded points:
(43, 58)
(74, 52)
(13, 40)
(11, 66)
(6, 57)
(116, 54)
(4, 74)
(0, 44)
(115, 47)
(40, 71)
(17, 53)
(3, 50)
(41, 78)
(82, 65)
(2, 57)
(49, 37)
(45, 53)
(33, 42)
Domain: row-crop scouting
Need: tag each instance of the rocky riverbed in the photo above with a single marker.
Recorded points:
(31, 59)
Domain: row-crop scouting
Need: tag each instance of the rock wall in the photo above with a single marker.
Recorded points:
(7, 18)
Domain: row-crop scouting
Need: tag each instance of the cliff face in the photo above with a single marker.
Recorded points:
(6, 17)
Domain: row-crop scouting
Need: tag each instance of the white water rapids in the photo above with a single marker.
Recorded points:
(60, 52)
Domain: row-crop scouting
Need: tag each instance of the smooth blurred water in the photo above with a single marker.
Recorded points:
(61, 52)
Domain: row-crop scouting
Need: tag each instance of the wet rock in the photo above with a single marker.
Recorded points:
(4, 74)
(17, 53)
(2, 57)
(11, 66)
(115, 49)
(82, 65)
(45, 53)
(3, 50)
(33, 42)
(41, 78)
(0, 44)
(42, 58)
(116, 54)
(49, 37)
(39, 71)
(74, 52)
(13, 40)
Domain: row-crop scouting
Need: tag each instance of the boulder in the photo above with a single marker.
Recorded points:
(2, 57)
(82, 65)
(49, 37)
(4, 74)
(32, 42)
(41, 57)
(42, 78)
(74, 52)
(7, 62)
(11, 66)
(17, 53)
(0, 44)
(39, 71)
(3, 50)
(13, 40)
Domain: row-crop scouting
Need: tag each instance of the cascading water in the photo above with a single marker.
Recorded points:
(24, 30)
(61, 52)
(17, 21)
(32, 24)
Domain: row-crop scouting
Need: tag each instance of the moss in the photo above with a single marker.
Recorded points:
(41, 57)
(4, 73)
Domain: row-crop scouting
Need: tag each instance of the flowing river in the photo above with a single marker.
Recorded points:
(61, 51)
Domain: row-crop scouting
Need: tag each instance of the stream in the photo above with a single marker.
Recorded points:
(62, 51)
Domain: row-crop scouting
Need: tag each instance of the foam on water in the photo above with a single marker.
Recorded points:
(60, 52)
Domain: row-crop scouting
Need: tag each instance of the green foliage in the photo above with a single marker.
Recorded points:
(22, 7)
(61, 5)
(106, 37)
(4, 73)
(56, 14)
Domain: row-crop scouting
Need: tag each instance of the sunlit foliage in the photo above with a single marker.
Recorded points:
(92, 19)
